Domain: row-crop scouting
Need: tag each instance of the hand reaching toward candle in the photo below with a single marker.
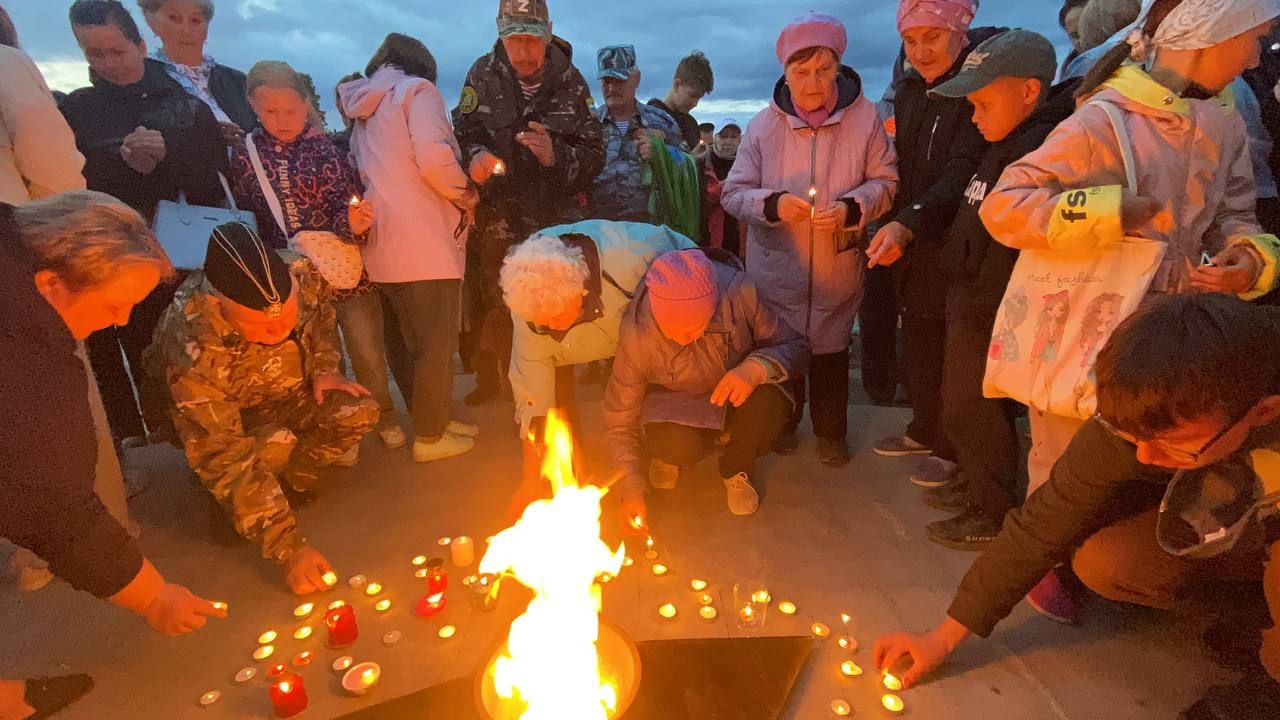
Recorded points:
(482, 166)
(333, 382)
(1234, 270)
(305, 572)
(830, 218)
(889, 245)
(739, 383)
(792, 209)
(632, 507)
(538, 141)
(177, 611)
(926, 650)
(360, 215)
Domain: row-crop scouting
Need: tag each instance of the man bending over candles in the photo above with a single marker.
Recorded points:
(699, 353)
(1190, 384)
(249, 353)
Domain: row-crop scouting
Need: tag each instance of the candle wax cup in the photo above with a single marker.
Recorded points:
(891, 682)
(707, 612)
(892, 703)
(342, 663)
(303, 633)
(628, 562)
(447, 632)
(840, 707)
(336, 604)
(361, 678)
(382, 606)
(848, 643)
(330, 578)
(304, 610)
(420, 574)
(392, 638)
(219, 606)
(267, 637)
(659, 569)
(761, 596)
(373, 589)
(820, 630)
(419, 561)
(264, 652)
(245, 675)
(850, 668)
(698, 585)
(444, 541)
(210, 698)
(705, 599)
(357, 581)
(787, 608)
(303, 659)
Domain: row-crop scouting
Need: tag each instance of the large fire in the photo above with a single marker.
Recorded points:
(551, 667)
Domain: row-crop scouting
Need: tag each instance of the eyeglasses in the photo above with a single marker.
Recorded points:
(1177, 454)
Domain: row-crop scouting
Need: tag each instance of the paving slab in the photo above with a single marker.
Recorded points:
(831, 541)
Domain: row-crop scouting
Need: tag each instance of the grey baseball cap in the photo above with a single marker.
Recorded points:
(616, 61)
(1014, 53)
(524, 17)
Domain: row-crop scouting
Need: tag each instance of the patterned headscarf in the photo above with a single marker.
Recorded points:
(1196, 24)
(953, 15)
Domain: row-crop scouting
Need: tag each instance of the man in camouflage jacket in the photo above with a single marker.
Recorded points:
(527, 135)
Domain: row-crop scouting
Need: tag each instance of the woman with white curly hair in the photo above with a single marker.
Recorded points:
(567, 288)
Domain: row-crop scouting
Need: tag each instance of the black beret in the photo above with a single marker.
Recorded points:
(241, 267)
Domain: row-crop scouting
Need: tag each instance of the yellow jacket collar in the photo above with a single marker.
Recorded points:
(1134, 83)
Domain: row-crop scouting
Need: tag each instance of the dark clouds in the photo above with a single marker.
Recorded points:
(329, 38)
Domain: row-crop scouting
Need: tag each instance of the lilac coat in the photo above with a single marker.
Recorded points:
(404, 148)
(812, 281)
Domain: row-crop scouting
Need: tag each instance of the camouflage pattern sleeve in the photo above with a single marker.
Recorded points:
(319, 318)
(580, 156)
(224, 457)
(468, 122)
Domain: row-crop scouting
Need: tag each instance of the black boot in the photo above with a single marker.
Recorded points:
(1256, 697)
(50, 696)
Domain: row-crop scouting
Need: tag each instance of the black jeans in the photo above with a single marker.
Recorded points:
(925, 357)
(429, 315)
(754, 429)
(981, 429)
(828, 391)
(878, 330)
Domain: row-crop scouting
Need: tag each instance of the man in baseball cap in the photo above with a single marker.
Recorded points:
(524, 17)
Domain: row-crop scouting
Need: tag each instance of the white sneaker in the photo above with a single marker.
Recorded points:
(393, 437)
(350, 459)
(446, 447)
(742, 495)
(31, 572)
(663, 475)
(461, 429)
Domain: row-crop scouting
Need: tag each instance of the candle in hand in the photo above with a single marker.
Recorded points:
(499, 168)
(288, 695)
(341, 622)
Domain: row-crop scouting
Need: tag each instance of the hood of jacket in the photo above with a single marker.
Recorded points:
(848, 84)
(361, 98)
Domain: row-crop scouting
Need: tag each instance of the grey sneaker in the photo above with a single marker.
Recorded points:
(663, 475)
(742, 495)
(934, 472)
(393, 437)
(461, 429)
(900, 446)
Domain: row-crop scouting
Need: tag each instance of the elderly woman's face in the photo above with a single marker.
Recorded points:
(92, 309)
(183, 28)
(932, 51)
(282, 112)
(813, 82)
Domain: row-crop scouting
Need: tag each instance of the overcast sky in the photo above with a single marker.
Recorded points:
(330, 38)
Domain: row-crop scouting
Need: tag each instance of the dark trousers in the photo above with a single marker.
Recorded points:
(828, 391)
(398, 356)
(754, 428)
(981, 430)
(924, 357)
(878, 330)
(109, 350)
(429, 314)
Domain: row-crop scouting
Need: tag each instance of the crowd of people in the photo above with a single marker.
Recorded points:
(1082, 241)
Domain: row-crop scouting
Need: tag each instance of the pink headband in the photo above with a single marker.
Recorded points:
(953, 15)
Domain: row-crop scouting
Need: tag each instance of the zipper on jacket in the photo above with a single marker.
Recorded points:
(929, 154)
(813, 183)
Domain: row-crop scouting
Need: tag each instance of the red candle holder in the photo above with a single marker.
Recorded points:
(430, 605)
(437, 578)
(288, 695)
(341, 622)
(276, 672)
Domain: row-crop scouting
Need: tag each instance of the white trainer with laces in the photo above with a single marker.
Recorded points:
(742, 495)
(393, 437)
(461, 429)
(446, 447)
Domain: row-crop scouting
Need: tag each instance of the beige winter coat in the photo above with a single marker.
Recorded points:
(38, 155)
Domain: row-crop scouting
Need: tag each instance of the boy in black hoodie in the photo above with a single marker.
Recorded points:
(1007, 79)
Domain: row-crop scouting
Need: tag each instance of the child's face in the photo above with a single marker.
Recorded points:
(1000, 107)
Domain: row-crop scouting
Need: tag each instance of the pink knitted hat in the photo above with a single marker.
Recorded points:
(682, 288)
(953, 15)
(813, 29)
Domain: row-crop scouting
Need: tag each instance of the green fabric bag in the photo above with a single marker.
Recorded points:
(675, 199)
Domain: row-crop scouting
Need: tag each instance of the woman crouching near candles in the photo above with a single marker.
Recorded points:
(72, 264)
(830, 171)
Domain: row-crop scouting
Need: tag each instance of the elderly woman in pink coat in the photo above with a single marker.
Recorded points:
(814, 169)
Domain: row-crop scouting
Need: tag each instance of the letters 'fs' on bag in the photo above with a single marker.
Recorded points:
(183, 229)
(339, 262)
(1060, 309)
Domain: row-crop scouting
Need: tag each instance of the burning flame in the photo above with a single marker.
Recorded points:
(551, 666)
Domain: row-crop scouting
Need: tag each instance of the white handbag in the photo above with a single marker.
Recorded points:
(1060, 309)
(339, 262)
(184, 229)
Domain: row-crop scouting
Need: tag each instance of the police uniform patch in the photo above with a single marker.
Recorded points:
(470, 100)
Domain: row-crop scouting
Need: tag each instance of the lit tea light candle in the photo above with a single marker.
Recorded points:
(267, 637)
(304, 610)
(382, 606)
(245, 675)
(787, 607)
(761, 596)
(447, 632)
(659, 569)
(892, 703)
(848, 643)
(891, 682)
(706, 612)
(819, 630)
(444, 541)
(705, 599)
(747, 614)
(337, 604)
(303, 658)
(392, 638)
(361, 678)
(628, 562)
(500, 168)
(605, 578)
(637, 522)
(264, 652)
(219, 606)
(341, 622)
(303, 633)
(288, 695)
(355, 200)
(667, 611)
(373, 590)
(849, 668)
(419, 561)
(462, 551)
(357, 581)
(430, 605)
(698, 585)
(649, 552)
(420, 574)
(330, 578)
(840, 707)
(276, 671)
(210, 698)
(342, 663)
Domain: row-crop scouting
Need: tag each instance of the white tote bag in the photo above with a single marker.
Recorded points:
(1060, 309)
(339, 262)
(184, 229)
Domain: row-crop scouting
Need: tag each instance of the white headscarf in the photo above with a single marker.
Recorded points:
(1196, 25)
